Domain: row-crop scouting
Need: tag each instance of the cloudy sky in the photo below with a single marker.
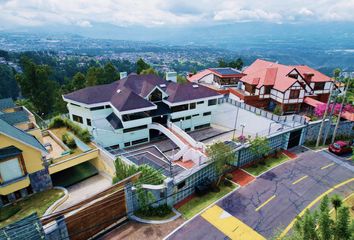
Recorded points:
(86, 13)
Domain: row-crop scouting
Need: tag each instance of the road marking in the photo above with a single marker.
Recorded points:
(327, 166)
(230, 225)
(300, 179)
(263, 204)
(286, 230)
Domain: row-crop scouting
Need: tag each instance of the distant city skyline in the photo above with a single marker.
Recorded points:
(166, 13)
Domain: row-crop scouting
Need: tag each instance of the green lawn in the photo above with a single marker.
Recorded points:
(74, 174)
(38, 202)
(258, 169)
(197, 204)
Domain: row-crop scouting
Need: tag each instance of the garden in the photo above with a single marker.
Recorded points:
(38, 202)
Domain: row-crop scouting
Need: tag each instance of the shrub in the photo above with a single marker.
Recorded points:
(229, 176)
(69, 141)
(227, 183)
(277, 110)
(57, 122)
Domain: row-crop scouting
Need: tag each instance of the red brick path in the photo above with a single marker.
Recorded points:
(241, 177)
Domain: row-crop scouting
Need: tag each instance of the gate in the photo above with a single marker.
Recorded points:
(294, 139)
(91, 216)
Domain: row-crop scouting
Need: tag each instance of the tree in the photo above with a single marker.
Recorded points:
(222, 63)
(336, 203)
(342, 228)
(277, 110)
(78, 81)
(110, 73)
(324, 221)
(222, 155)
(141, 65)
(260, 146)
(36, 85)
(148, 71)
(181, 79)
(238, 64)
(8, 83)
(95, 76)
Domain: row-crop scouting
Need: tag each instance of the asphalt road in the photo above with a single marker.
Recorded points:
(273, 200)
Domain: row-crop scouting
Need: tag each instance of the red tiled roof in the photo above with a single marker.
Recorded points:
(268, 74)
(312, 102)
(317, 76)
(349, 116)
(199, 75)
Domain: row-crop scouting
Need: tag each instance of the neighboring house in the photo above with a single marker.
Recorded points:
(267, 84)
(217, 78)
(22, 155)
(119, 114)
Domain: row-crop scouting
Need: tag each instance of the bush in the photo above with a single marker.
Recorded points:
(227, 183)
(81, 133)
(57, 122)
(159, 211)
(277, 110)
(69, 141)
(229, 176)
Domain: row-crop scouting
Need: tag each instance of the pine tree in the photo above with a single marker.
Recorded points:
(324, 221)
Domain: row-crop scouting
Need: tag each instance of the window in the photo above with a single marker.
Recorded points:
(177, 119)
(206, 113)
(250, 88)
(212, 102)
(319, 86)
(134, 129)
(181, 185)
(88, 122)
(77, 118)
(294, 94)
(180, 108)
(143, 140)
(188, 117)
(291, 107)
(267, 89)
(107, 106)
(201, 102)
(4, 199)
(155, 96)
(202, 126)
(192, 106)
(75, 105)
(134, 116)
(195, 115)
(10, 169)
(97, 108)
(127, 144)
(187, 129)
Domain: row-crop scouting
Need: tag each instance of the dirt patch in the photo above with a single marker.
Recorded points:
(134, 230)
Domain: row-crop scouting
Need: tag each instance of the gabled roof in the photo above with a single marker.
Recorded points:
(199, 75)
(317, 76)
(264, 73)
(6, 103)
(20, 136)
(131, 92)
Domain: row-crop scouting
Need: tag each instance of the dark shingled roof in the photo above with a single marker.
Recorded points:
(6, 103)
(226, 71)
(129, 93)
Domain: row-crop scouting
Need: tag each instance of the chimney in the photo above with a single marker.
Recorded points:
(308, 77)
(123, 75)
(171, 76)
(190, 74)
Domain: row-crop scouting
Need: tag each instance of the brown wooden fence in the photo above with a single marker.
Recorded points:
(89, 217)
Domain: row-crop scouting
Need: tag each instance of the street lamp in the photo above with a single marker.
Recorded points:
(242, 126)
(233, 135)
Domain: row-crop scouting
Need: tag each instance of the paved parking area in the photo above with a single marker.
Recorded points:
(274, 199)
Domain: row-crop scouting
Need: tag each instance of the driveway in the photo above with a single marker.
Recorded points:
(85, 189)
(272, 201)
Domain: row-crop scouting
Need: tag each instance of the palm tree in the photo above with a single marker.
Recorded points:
(336, 203)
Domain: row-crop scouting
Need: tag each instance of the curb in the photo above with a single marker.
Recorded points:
(57, 203)
(178, 214)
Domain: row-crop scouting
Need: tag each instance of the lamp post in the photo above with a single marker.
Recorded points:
(242, 126)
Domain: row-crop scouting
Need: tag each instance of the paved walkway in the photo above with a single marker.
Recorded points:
(273, 200)
(84, 190)
(241, 177)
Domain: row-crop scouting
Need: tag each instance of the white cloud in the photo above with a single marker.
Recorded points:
(85, 13)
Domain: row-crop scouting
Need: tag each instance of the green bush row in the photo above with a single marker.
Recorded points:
(81, 133)
(69, 141)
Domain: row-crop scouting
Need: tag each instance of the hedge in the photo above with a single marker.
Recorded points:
(81, 133)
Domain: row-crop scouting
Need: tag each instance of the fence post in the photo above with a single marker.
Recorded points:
(63, 231)
(129, 201)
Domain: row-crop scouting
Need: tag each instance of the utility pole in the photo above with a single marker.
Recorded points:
(341, 106)
(324, 116)
(233, 135)
(329, 120)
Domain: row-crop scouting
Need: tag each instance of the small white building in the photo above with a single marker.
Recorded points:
(118, 114)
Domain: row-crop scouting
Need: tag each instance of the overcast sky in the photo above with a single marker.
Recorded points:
(85, 13)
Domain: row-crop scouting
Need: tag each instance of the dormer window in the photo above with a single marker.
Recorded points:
(155, 96)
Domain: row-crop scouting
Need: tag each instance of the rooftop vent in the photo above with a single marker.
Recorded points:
(123, 75)
(118, 91)
(162, 85)
(195, 86)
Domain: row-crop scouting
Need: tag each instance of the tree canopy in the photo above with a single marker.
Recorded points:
(238, 63)
(141, 65)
